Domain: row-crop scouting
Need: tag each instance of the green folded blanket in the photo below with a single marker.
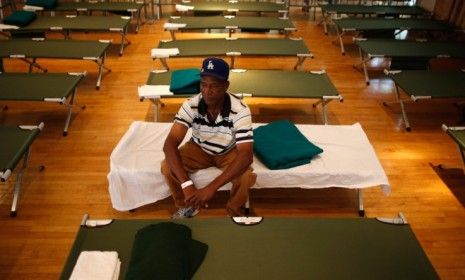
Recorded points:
(20, 18)
(280, 145)
(165, 251)
(185, 81)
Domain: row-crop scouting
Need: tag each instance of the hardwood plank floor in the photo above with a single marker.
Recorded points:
(36, 243)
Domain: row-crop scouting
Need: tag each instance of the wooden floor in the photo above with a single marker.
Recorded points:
(35, 244)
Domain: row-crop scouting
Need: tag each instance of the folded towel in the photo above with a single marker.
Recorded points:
(280, 145)
(32, 8)
(20, 18)
(162, 53)
(165, 251)
(185, 81)
(7, 26)
(151, 91)
(96, 265)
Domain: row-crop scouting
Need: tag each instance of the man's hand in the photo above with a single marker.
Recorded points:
(189, 191)
(200, 197)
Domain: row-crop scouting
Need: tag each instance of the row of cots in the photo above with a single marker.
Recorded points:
(61, 87)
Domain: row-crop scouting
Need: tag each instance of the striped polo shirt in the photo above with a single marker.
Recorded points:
(232, 126)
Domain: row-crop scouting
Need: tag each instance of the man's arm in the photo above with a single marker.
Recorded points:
(172, 155)
(237, 168)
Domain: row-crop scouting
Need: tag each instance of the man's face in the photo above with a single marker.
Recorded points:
(213, 90)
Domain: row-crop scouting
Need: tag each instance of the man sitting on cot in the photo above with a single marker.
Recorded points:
(221, 137)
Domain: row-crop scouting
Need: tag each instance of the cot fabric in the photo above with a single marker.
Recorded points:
(232, 126)
(223, 6)
(282, 248)
(165, 251)
(219, 47)
(427, 84)
(392, 24)
(402, 48)
(221, 22)
(53, 48)
(20, 18)
(373, 9)
(185, 81)
(48, 4)
(135, 178)
(280, 145)
(96, 265)
(37, 86)
(99, 6)
(15, 142)
(437, 84)
(268, 83)
(42, 23)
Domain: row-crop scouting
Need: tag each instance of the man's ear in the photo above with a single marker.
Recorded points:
(226, 85)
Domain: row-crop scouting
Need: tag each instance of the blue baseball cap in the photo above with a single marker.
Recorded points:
(215, 67)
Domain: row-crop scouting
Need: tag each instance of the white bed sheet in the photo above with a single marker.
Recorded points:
(348, 161)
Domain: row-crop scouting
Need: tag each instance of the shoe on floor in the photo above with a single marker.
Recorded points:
(187, 212)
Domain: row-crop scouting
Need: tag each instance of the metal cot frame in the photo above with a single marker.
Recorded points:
(332, 10)
(4, 175)
(68, 96)
(67, 24)
(229, 23)
(419, 49)
(232, 54)
(233, 7)
(440, 79)
(31, 58)
(398, 25)
(324, 99)
(134, 8)
(388, 239)
(453, 132)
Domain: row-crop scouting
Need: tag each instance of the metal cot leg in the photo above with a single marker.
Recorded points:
(325, 24)
(339, 35)
(364, 62)
(100, 62)
(300, 63)
(156, 108)
(323, 110)
(121, 49)
(361, 209)
(100, 66)
(70, 111)
(19, 178)
(247, 207)
(138, 20)
(165, 63)
(145, 9)
(232, 62)
(402, 107)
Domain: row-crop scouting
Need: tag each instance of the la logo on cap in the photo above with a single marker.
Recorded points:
(210, 65)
